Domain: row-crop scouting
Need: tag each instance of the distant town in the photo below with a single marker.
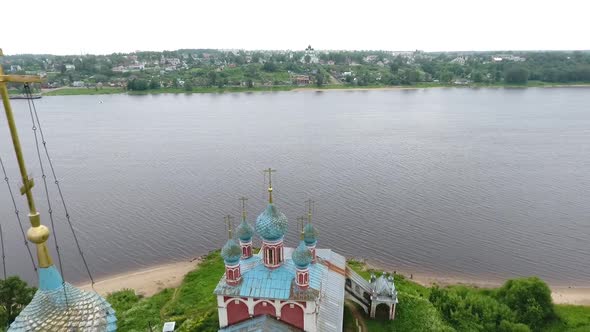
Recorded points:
(193, 69)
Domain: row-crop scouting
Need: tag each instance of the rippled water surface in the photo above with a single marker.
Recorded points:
(487, 183)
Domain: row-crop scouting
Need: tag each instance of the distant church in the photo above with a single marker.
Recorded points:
(290, 289)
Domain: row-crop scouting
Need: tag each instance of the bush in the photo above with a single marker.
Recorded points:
(530, 299)
(123, 300)
(469, 310)
(415, 313)
(516, 75)
(138, 84)
(15, 294)
(506, 326)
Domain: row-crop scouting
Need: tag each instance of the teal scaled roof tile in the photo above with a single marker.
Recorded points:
(59, 306)
(258, 281)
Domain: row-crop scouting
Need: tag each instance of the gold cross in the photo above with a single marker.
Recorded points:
(310, 205)
(228, 223)
(302, 221)
(270, 171)
(38, 233)
(243, 199)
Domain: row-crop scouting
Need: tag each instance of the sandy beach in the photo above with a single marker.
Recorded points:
(148, 282)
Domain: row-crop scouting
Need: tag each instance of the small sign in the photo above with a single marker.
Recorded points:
(169, 327)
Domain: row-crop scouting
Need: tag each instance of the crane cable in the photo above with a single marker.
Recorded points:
(56, 181)
(50, 210)
(3, 255)
(20, 224)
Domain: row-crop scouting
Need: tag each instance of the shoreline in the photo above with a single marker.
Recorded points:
(145, 281)
(151, 280)
(561, 294)
(63, 91)
(573, 295)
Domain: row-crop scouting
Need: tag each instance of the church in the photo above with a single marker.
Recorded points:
(290, 289)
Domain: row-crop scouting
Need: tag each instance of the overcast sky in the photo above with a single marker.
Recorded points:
(106, 26)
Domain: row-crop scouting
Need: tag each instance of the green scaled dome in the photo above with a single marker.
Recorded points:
(302, 256)
(245, 231)
(309, 234)
(271, 224)
(231, 252)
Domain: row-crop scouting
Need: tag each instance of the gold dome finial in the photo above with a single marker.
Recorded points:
(243, 199)
(38, 233)
(310, 205)
(302, 221)
(270, 171)
(228, 224)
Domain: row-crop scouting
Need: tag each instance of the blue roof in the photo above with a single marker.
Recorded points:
(261, 282)
(326, 286)
(271, 224)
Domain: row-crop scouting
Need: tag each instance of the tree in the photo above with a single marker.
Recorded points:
(100, 78)
(409, 76)
(516, 75)
(249, 83)
(154, 84)
(530, 299)
(269, 66)
(211, 78)
(319, 79)
(15, 294)
(307, 58)
(188, 86)
(477, 76)
(138, 84)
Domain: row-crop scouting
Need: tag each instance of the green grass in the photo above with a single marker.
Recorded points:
(413, 313)
(570, 318)
(214, 90)
(192, 305)
(274, 76)
(83, 91)
(416, 313)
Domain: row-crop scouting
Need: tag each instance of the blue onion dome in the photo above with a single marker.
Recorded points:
(245, 231)
(271, 224)
(59, 306)
(231, 252)
(309, 234)
(302, 256)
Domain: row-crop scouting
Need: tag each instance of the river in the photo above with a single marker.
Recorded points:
(482, 183)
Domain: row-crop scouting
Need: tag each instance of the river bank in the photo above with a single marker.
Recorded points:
(149, 281)
(70, 91)
(561, 294)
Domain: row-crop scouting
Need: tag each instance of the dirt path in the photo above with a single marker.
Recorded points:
(357, 315)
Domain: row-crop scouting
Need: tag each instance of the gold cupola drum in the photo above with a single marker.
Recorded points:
(57, 305)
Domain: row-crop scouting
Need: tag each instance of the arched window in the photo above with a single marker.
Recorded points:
(270, 257)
